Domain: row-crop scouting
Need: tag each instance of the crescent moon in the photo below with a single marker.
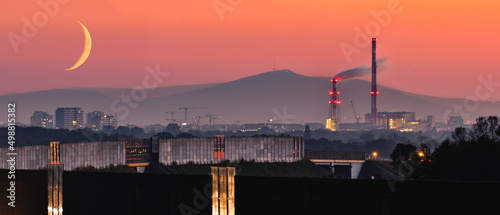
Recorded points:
(86, 49)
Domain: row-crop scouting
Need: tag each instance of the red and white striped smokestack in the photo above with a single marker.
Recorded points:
(374, 92)
(332, 120)
(332, 114)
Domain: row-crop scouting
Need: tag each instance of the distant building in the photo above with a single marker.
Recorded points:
(252, 127)
(400, 121)
(392, 120)
(41, 119)
(94, 120)
(355, 126)
(97, 120)
(455, 122)
(108, 120)
(69, 118)
(288, 127)
(420, 125)
(156, 128)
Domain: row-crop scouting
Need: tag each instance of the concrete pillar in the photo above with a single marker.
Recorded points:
(223, 190)
(55, 184)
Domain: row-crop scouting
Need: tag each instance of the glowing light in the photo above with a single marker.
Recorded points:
(331, 92)
(420, 154)
(375, 154)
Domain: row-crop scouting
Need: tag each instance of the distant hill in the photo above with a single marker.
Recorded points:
(114, 93)
(282, 95)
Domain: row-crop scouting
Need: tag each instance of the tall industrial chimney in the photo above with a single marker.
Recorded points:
(332, 120)
(374, 92)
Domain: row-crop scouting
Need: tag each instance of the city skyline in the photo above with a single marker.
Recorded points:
(230, 107)
(195, 44)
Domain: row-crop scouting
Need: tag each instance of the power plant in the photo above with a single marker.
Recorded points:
(332, 122)
(402, 121)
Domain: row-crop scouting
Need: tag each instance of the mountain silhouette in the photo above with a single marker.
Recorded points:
(282, 95)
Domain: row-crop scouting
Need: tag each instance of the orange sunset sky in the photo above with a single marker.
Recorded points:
(437, 48)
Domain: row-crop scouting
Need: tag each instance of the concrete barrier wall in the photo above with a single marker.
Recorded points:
(73, 155)
(180, 150)
(260, 149)
(96, 154)
(28, 157)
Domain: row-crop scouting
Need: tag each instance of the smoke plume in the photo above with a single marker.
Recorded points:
(360, 71)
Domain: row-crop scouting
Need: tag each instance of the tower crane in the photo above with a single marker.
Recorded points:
(186, 112)
(198, 120)
(213, 117)
(172, 120)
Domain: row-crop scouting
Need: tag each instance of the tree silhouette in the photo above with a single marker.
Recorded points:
(468, 156)
(402, 152)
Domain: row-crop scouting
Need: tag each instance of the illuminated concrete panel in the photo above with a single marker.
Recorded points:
(203, 150)
(223, 190)
(54, 181)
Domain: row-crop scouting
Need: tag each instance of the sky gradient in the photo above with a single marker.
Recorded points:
(432, 47)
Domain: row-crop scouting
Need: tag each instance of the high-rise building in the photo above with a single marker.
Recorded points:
(108, 120)
(94, 120)
(69, 118)
(97, 120)
(41, 119)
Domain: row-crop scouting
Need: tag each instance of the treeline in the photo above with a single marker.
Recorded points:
(469, 155)
(382, 142)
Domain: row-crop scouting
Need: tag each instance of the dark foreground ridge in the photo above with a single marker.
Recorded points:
(302, 168)
(130, 193)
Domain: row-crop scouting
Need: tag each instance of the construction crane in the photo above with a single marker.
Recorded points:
(353, 110)
(186, 112)
(172, 120)
(213, 117)
(198, 120)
